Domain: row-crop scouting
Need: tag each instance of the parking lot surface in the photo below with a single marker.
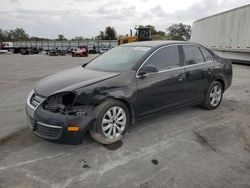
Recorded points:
(190, 147)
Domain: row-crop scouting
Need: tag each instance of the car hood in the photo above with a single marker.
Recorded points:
(70, 80)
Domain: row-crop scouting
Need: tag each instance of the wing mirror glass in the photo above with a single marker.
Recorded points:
(147, 69)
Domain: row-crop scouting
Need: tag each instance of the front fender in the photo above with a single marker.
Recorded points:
(122, 87)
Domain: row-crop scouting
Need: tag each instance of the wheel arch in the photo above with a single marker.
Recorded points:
(219, 77)
(124, 101)
(95, 130)
(129, 107)
(222, 82)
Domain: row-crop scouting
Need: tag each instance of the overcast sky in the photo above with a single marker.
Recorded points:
(48, 18)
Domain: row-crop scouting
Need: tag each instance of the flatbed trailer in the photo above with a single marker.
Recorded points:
(94, 46)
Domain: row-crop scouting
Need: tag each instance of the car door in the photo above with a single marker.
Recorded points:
(198, 67)
(162, 89)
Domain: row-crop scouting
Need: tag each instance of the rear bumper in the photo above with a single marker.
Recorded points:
(228, 82)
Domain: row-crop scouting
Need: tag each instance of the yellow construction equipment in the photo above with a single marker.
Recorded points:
(142, 34)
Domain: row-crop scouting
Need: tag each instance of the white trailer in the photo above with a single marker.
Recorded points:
(7, 44)
(227, 33)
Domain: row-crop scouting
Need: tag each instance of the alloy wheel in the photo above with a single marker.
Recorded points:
(114, 122)
(215, 95)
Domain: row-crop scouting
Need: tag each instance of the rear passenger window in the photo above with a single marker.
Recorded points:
(165, 58)
(192, 55)
(206, 55)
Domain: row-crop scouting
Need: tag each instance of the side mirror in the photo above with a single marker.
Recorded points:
(147, 69)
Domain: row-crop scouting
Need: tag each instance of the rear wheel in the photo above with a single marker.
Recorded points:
(112, 120)
(214, 96)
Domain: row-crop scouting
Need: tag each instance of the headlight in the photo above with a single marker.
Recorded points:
(63, 103)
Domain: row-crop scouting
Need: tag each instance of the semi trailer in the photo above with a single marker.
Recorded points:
(226, 33)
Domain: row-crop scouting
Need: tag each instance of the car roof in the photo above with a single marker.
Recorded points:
(156, 44)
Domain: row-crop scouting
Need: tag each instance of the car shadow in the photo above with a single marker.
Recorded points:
(164, 116)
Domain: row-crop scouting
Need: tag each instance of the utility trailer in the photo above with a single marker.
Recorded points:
(11, 47)
(93, 45)
(226, 33)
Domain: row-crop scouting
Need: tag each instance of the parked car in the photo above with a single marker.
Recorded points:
(92, 49)
(57, 52)
(27, 51)
(80, 52)
(104, 48)
(69, 50)
(125, 84)
(24, 51)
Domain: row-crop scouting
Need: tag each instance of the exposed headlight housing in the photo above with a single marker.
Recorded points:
(63, 103)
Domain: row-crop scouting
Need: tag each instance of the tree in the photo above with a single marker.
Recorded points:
(13, 35)
(61, 37)
(20, 34)
(108, 34)
(5, 36)
(38, 39)
(179, 32)
(102, 35)
(78, 38)
(2, 36)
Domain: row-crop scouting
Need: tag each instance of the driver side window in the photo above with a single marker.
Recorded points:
(165, 58)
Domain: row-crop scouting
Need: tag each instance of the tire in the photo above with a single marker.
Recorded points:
(106, 124)
(212, 100)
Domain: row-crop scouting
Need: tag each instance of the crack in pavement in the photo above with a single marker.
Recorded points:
(31, 161)
(202, 140)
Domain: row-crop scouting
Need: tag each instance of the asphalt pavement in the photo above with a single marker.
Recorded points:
(190, 147)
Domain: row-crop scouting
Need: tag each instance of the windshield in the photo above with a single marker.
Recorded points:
(118, 59)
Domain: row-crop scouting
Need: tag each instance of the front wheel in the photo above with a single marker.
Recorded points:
(111, 122)
(213, 96)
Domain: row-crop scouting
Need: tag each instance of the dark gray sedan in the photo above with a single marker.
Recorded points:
(125, 84)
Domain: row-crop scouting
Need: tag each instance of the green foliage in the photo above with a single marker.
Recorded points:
(2, 35)
(108, 34)
(13, 35)
(179, 32)
(78, 38)
(61, 37)
(38, 39)
(102, 35)
(175, 32)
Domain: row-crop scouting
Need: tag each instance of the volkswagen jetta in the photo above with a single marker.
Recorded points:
(125, 84)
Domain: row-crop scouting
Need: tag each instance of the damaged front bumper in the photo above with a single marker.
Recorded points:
(56, 126)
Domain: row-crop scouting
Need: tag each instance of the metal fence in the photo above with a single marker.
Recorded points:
(49, 45)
